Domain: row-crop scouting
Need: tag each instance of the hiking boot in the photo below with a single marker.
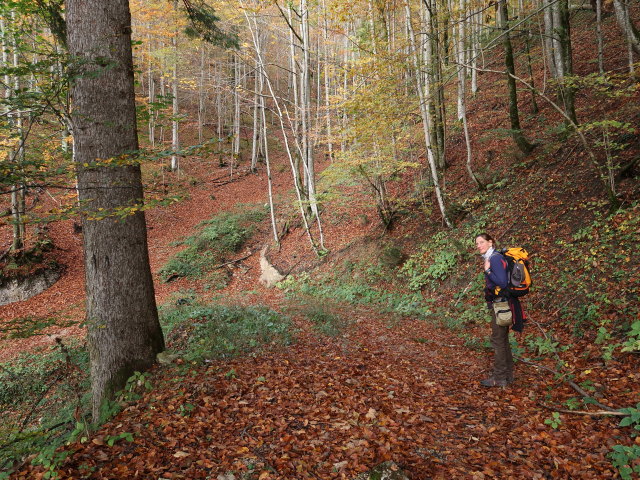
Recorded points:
(492, 382)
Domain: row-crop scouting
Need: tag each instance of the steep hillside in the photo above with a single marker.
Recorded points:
(371, 351)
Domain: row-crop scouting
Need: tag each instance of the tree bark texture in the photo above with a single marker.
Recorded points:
(514, 116)
(624, 20)
(123, 330)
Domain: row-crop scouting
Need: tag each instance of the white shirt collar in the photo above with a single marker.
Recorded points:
(488, 253)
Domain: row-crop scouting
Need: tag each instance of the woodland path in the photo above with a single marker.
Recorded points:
(323, 407)
(330, 407)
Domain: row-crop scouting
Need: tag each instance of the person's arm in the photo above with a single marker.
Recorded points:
(497, 271)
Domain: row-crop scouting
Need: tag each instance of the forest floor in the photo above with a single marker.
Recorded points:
(386, 388)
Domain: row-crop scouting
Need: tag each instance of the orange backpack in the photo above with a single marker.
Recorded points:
(519, 279)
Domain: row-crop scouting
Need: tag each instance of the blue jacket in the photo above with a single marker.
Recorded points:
(497, 276)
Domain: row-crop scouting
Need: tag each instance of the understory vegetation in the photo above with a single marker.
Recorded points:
(47, 394)
(584, 305)
(206, 251)
(437, 120)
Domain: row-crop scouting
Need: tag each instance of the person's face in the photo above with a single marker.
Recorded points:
(483, 245)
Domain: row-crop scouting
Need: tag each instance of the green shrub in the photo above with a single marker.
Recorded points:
(439, 258)
(220, 236)
(627, 458)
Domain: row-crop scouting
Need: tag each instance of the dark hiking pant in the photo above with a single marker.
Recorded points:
(503, 360)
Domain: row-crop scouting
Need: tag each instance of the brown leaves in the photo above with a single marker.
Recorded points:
(304, 413)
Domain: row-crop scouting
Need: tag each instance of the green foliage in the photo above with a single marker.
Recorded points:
(632, 344)
(542, 345)
(554, 421)
(627, 458)
(358, 293)
(40, 395)
(136, 385)
(222, 235)
(26, 327)
(594, 267)
(324, 321)
(439, 258)
(210, 331)
(632, 420)
(50, 460)
(573, 403)
(111, 440)
(623, 458)
(34, 374)
(204, 24)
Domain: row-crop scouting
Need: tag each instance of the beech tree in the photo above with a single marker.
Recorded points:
(123, 330)
(621, 7)
(514, 116)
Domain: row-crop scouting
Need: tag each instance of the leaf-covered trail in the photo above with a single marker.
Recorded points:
(330, 407)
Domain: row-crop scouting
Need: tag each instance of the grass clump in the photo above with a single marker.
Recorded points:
(358, 293)
(325, 322)
(222, 235)
(213, 331)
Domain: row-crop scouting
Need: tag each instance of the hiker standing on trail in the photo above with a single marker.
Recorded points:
(495, 272)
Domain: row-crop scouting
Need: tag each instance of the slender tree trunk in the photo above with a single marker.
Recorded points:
(422, 94)
(151, 97)
(327, 82)
(305, 101)
(201, 94)
(621, 8)
(599, 38)
(175, 138)
(534, 103)
(235, 152)
(219, 99)
(307, 143)
(257, 116)
(257, 99)
(123, 330)
(462, 91)
(563, 30)
(293, 78)
(163, 94)
(16, 155)
(436, 98)
(549, 36)
(459, 38)
(514, 117)
(346, 62)
(252, 23)
(476, 18)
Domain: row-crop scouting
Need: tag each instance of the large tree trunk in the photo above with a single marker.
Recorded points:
(123, 329)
